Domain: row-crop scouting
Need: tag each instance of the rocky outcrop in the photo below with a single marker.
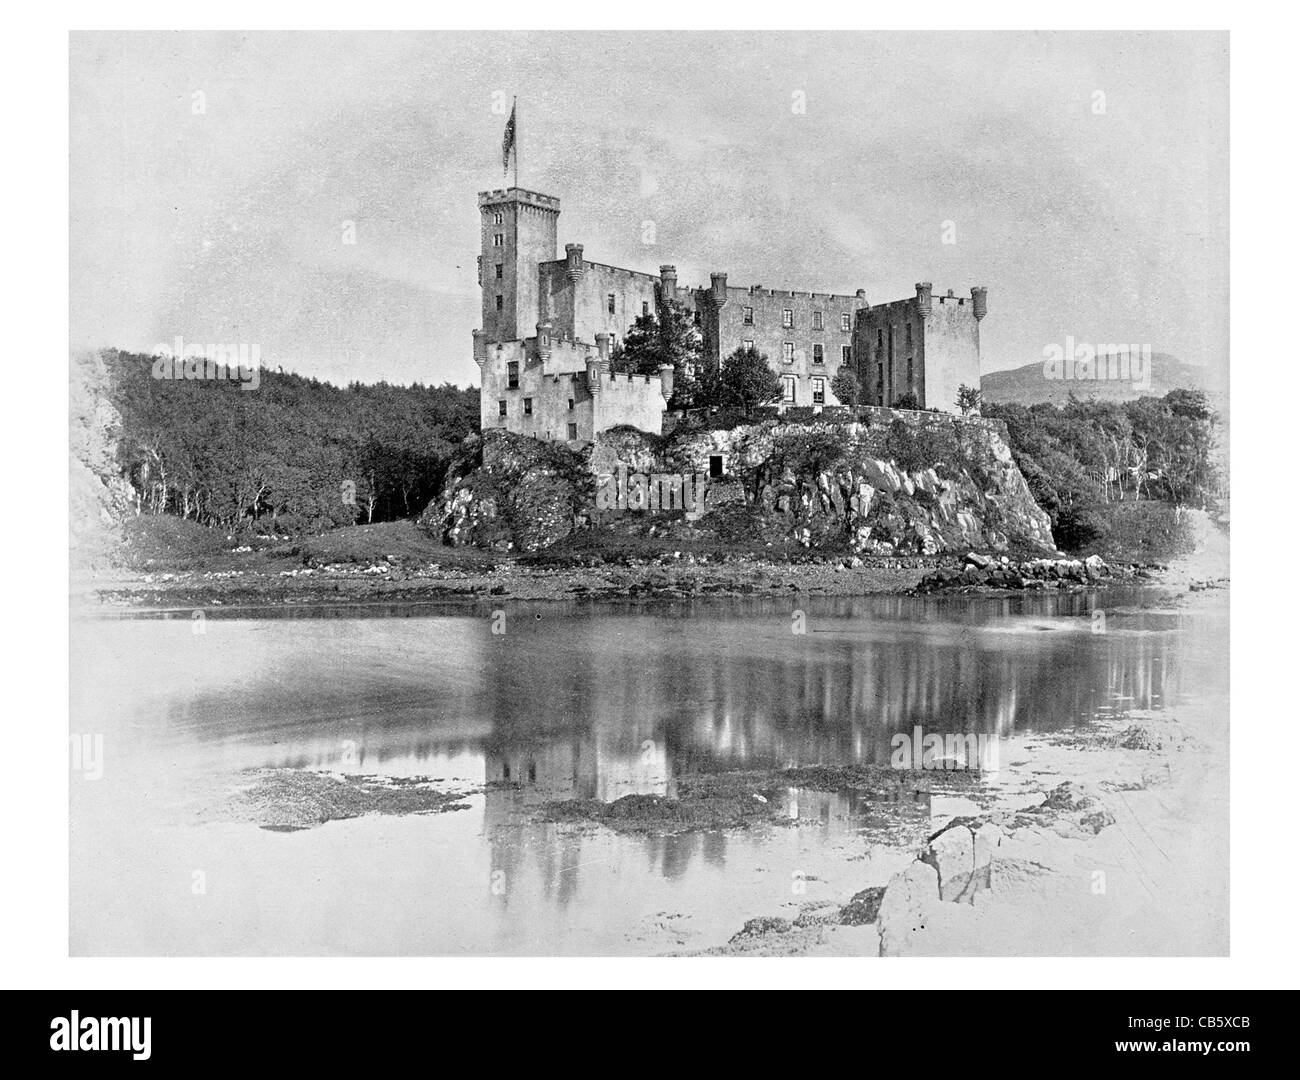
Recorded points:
(510, 492)
(958, 864)
(898, 483)
(99, 499)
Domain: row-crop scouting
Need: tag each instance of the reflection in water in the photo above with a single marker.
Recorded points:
(589, 703)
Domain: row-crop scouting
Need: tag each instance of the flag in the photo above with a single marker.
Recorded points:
(508, 143)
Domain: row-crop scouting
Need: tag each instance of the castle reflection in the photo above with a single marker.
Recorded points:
(598, 706)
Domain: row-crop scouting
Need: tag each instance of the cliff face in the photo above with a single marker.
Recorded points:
(99, 498)
(900, 483)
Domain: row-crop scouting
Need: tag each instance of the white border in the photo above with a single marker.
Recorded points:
(34, 902)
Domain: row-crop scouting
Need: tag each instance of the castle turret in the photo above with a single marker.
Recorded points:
(718, 289)
(545, 331)
(666, 377)
(923, 296)
(980, 301)
(593, 375)
(573, 261)
(602, 348)
(667, 283)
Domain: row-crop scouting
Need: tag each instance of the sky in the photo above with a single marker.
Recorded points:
(1082, 176)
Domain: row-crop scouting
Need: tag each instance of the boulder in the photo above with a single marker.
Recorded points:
(909, 897)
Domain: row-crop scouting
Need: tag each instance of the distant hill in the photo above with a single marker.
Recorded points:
(1028, 386)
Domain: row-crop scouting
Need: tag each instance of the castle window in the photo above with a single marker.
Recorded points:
(512, 376)
(787, 352)
(573, 431)
(748, 316)
(609, 301)
(845, 324)
(787, 389)
(570, 404)
(909, 373)
(645, 307)
(695, 317)
(501, 408)
(501, 302)
(880, 341)
(817, 320)
(498, 239)
(747, 343)
(819, 391)
(528, 406)
(499, 269)
(846, 354)
(716, 466)
(880, 382)
(818, 357)
(787, 319)
(498, 218)
(909, 335)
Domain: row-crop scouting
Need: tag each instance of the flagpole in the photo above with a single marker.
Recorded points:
(514, 111)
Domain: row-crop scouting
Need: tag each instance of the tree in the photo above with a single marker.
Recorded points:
(968, 399)
(906, 401)
(277, 459)
(846, 388)
(670, 337)
(747, 380)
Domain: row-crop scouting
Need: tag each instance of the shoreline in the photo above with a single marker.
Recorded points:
(380, 585)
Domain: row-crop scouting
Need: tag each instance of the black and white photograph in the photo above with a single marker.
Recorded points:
(643, 494)
(669, 499)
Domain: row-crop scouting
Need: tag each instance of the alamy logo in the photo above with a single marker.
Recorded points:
(953, 751)
(621, 490)
(233, 363)
(1098, 363)
(76, 1032)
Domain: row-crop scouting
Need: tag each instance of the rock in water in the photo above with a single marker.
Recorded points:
(908, 898)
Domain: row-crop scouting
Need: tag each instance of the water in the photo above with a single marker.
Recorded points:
(568, 703)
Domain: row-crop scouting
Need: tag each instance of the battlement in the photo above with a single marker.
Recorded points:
(616, 271)
(798, 294)
(521, 195)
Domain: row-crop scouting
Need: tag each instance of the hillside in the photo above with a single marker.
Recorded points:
(1028, 386)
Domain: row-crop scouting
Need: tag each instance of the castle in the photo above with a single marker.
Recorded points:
(549, 326)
